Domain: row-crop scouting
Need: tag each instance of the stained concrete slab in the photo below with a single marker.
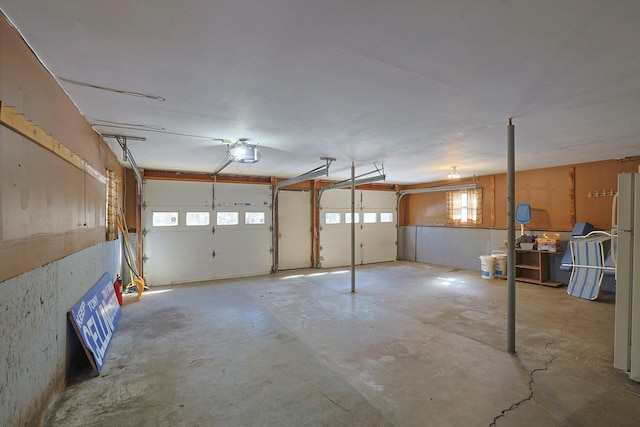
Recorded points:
(416, 345)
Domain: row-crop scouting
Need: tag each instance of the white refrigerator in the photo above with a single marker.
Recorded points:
(626, 355)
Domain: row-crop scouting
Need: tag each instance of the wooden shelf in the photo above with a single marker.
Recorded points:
(532, 266)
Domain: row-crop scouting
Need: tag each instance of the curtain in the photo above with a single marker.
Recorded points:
(464, 207)
(112, 205)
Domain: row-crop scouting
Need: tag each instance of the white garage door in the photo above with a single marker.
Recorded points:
(294, 229)
(375, 227)
(379, 235)
(188, 238)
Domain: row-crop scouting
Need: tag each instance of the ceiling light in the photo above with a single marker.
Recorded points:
(241, 152)
(454, 174)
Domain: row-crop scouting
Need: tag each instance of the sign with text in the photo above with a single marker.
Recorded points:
(95, 318)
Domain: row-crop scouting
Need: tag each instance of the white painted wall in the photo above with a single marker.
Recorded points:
(38, 342)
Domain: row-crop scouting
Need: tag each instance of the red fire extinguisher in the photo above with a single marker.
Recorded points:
(117, 286)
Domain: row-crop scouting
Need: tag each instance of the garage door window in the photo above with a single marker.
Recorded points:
(198, 218)
(165, 219)
(227, 218)
(347, 217)
(386, 217)
(332, 218)
(370, 217)
(254, 217)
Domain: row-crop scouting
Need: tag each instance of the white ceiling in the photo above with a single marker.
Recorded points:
(418, 86)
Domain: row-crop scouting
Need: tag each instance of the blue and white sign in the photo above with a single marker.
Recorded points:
(95, 318)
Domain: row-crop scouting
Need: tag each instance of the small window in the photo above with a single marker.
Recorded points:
(198, 218)
(227, 218)
(164, 219)
(386, 217)
(332, 218)
(254, 217)
(113, 183)
(464, 207)
(347, 217)
(370, 217)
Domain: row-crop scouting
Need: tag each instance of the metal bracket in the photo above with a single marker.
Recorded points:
(213, 254)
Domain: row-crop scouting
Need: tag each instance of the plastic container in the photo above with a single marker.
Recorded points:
(487, 267)
(500, 263)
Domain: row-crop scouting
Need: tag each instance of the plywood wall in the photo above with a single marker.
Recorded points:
(558, 196)
(49, 208)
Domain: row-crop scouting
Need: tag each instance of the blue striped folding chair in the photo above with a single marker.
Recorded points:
(587, 256)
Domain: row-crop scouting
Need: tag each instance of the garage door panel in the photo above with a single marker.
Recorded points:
(375, 242)
(178, 193)
(240, 240)
(379, 200)
(335, 244)
(183, 253)
(337, 256)
(181, 269)
(229, 264)
(177, 244)
(376, 253)
(294, 229)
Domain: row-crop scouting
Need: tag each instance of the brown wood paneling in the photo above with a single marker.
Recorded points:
(549, 191)
(18, 256)
(10, 118)
(598, 176)
(130, 196)
(50, 206)
(425, 208)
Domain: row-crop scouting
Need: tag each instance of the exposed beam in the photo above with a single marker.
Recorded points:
(436, 189)
(204, 177)
(15, 121)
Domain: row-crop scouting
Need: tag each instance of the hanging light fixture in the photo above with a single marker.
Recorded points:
(241, 152)
(454, 174)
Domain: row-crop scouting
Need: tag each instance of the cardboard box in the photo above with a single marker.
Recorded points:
(547, 244)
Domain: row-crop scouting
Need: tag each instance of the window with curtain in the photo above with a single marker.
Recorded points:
(113, 182)
(464, 207)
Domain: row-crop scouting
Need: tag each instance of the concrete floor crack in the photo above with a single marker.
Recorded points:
(515, 405)
(332, 401)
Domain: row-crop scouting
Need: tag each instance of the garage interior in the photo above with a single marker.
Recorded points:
(304, 195)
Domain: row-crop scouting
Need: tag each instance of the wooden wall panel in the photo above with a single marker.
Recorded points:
(598, 176)
(49, 206)
(548, 190)
(425, 208)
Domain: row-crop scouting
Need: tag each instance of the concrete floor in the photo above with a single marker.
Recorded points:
(417, 345)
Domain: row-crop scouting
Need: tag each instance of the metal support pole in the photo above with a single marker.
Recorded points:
(353, 228)
(511, 240)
